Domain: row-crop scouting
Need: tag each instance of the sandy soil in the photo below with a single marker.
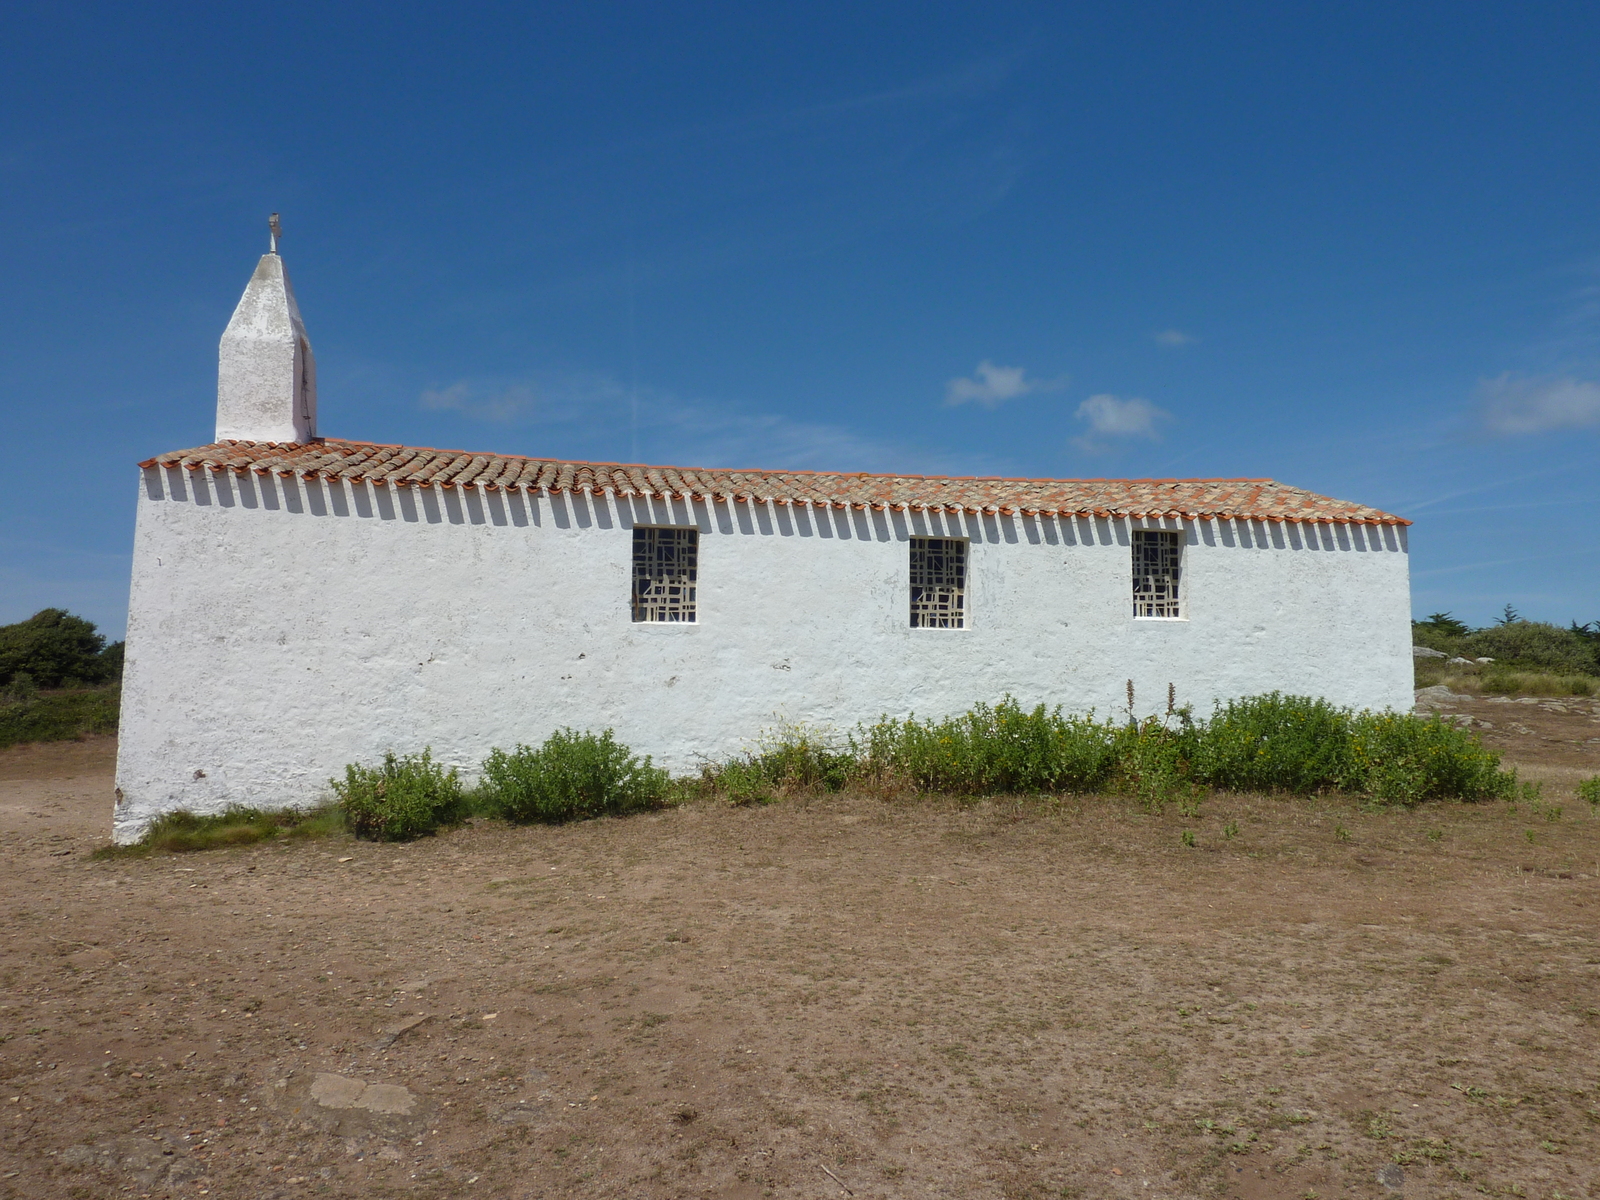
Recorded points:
(840, 997)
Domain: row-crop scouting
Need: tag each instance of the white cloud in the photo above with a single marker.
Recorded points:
(1175, 338)
(1512, 406)
(1133, 417)
(991, 385)
(1111, 416)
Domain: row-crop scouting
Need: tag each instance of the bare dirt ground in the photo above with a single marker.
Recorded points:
(825, 998)
(1532, 731)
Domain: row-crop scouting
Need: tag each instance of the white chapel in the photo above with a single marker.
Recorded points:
(301, 601)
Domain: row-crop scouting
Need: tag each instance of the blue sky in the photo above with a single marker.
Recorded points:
(1353, 247)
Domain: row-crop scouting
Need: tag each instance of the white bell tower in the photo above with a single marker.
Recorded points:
(266, 375)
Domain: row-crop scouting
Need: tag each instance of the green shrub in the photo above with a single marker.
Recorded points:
(1450, 638)
(571, 775)
(28, 715)
(796, 756)
(1535, 644)
(186, 833)
(1402, 759)
(1275, 743)
(988, 751)
(792, 757)
(1303, 745)
(742, 782)
(1270, 743)
(1589, 790)
(405, 798)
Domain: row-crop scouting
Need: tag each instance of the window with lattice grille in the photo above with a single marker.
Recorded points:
(938, 583)
(1157, 557)
(666, 566)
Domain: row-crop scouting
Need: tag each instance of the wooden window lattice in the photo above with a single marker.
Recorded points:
(1156, 557)
(938, 583)
(665, 571)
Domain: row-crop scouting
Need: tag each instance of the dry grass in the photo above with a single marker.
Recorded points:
(1491, 680)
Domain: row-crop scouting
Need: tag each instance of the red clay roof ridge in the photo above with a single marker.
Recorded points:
(425, 466)
(600, 462)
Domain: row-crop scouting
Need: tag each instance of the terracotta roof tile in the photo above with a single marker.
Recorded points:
(1245, 499)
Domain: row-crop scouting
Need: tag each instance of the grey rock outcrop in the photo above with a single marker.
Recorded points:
(146, 1160)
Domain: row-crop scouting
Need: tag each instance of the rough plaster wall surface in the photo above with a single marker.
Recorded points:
(281, 628)
(266, 373)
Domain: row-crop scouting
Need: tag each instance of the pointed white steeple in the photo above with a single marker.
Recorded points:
(266, 376)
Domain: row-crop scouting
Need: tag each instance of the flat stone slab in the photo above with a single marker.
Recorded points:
(1438, 696)
(339, 1104)
(336, 1091)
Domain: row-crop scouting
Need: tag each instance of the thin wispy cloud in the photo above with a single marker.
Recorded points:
(991, 386)
(502, 405)
(1492, 484)
(1174, 339)
(798, 181)
(1512, 405)
(975, 78)
(1114, 417)
(1502, 562)
(1570, 342)
(594, 415)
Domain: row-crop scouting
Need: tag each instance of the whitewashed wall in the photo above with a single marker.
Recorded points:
(280, 629)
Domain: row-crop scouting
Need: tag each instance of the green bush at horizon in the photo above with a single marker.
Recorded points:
(58, 679)
(1515, 644)
(54, 649)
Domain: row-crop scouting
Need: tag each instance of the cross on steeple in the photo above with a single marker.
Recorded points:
(277, 232)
